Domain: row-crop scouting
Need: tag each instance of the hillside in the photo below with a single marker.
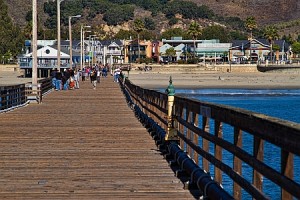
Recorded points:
(266, 12)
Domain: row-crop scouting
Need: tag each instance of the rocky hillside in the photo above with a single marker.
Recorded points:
(265, 11)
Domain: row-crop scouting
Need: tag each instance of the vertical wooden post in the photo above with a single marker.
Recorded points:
(188, 131)
(205, 143)
(237, 163)
(259, 155)
(181, 128)
(287, 169)
(218, 151)
(196, 138)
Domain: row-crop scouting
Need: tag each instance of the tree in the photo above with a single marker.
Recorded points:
(250, 25)
(271, 34)
(11, 36)
(173, 32)
(138, 27)
(296, 48)
(194, 31)
(215, 32)
(170, 53)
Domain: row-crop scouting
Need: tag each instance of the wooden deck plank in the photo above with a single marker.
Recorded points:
(82, 144)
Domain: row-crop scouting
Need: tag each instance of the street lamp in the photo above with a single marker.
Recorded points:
(58, 34)
(82, 44)
(93, 48)
(90, 48)
(70, 37)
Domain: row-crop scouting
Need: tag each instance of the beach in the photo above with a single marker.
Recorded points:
(215, 79)
(200, 79)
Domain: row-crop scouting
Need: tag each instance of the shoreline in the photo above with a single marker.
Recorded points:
(217, 80)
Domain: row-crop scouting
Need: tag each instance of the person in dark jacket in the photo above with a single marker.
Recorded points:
(93, 78)
(58, 77)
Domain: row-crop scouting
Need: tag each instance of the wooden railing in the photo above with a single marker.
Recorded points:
(12, 96)
(42, 88)
(201, 125)
(18, 95)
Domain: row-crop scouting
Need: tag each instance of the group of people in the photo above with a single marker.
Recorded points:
(69, 78)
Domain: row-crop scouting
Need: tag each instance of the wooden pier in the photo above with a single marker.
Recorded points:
(82, 144)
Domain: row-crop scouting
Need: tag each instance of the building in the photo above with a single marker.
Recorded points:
(258, 50)
(184, 49)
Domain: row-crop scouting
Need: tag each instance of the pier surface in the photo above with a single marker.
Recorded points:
(82, 144)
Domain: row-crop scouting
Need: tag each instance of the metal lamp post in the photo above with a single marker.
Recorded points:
(82, 44)
(90, 48)
(58, 34)
(70, 37)
(93, 48)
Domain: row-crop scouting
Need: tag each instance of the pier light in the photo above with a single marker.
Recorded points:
(70, 37)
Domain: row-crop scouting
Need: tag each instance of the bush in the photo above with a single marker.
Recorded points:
(192, 61)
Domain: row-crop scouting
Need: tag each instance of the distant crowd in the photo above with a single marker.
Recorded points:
(69, 78)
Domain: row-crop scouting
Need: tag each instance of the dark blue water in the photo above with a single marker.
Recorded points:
(283, 104)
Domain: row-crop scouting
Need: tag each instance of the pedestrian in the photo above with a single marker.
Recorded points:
(93, 77)
(98, 75)
(53, 76)
(76, 79)
(58, 77)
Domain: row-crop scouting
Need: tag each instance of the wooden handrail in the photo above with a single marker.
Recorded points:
(193, 120)
(12, 96)
(18, 95)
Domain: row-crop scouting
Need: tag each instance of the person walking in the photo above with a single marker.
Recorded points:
(93, 77)
(76, 79)
(58, 77)
(53, 76)
(98, 75)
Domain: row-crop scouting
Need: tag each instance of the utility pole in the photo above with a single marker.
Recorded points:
(34, 44)
(58, 33)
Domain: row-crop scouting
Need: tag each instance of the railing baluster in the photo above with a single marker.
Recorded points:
(196, 137)
(205, 143)
(218, 151)
(287, 169)
(188, 131)
(259, 155)
(237, 163)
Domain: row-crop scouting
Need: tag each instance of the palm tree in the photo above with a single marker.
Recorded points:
(194, 31)
(250, 25)
(138, 26)
(271, 34)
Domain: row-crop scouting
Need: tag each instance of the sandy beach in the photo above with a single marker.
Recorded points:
(200, 79)
(249, 80)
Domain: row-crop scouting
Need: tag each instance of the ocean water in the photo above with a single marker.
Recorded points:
(283, 104)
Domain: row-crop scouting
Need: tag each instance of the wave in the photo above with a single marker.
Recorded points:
(237, 92)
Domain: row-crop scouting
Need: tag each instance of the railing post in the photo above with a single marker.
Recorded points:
(205, 143)
(171, 131)
(237, 163)
(287, 169)
(259, 155)
(218, 150)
